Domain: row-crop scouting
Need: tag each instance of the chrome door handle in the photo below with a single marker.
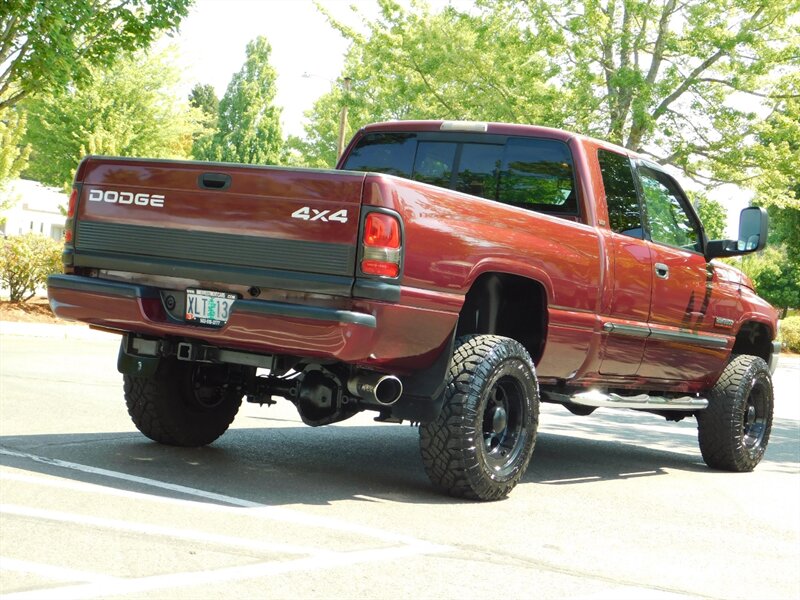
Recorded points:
(662, 271)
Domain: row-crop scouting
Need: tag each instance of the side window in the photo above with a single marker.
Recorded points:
(478, 168)
(391, 153)
(624, 212)
(667, 217)
(537, 174)
(434, 163)
(532, 173)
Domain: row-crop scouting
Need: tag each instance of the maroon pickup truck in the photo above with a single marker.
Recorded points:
(451, 274)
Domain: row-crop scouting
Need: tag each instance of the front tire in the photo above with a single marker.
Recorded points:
(734, 430)
(182, 404)
(480, 445)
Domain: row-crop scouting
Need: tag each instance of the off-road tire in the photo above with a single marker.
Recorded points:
(734, 430)
(172, 407)
(480, 445)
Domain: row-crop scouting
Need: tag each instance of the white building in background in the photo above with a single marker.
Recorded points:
(32, 207)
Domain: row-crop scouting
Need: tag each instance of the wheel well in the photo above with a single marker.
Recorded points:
(753, 338)
(507, 305)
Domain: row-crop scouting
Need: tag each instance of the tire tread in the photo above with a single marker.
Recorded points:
(719, 425)
(155, 407)
(446, 444)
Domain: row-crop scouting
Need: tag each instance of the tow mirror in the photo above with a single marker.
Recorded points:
(753, 225)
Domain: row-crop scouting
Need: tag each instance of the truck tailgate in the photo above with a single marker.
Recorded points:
(287, 228)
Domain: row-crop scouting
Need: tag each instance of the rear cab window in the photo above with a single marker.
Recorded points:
(532, 173)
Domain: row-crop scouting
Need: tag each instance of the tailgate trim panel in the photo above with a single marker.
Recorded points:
(231, 250)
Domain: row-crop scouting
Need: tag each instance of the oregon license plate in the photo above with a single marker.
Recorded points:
(207, 307)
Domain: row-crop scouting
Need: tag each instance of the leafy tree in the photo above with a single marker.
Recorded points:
(777, 272)
(678, 81)
(776, 276)
(25, 263)
(790, 333)
(421, 65)
(713, 215)
(44, 46)
(248, 128)
(13, 155)
(778, 150)
(205, 98)
(131, 109)
(784, 228)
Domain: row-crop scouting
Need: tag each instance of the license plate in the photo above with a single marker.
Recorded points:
(207, 307)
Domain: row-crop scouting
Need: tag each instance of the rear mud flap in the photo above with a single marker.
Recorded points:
(133, 364)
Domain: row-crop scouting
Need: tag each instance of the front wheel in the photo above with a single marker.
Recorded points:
(182, 404)
(734, 430)
(480, 445)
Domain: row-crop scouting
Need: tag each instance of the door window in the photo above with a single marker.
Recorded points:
(668, 219)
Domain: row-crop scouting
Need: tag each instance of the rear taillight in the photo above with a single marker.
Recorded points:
(381, 245)
(72, 207)
(73, 203)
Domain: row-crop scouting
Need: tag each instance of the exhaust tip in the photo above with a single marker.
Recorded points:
(377, 388)
(388, 390)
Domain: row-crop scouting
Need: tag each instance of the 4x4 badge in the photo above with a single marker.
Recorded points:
(312, 214)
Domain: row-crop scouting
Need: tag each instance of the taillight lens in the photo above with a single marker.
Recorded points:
(381, 245)
(73, 203)
(72, 209)
(381, 231)
(382, 268)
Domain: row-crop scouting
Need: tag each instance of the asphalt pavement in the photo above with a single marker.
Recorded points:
(615, 505)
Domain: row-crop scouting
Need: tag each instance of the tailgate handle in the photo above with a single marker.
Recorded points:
(214, 181)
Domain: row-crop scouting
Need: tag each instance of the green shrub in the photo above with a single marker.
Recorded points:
(25, 262)
(790, 333)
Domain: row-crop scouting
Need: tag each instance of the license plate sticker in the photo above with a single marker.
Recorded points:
(207, 307)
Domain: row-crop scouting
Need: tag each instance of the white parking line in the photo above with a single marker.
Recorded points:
(162, 582)
(52, 572)
(270, 512)
(372, 499)
(173, 487)
(635, 593)
(171, 532)
(101, 587)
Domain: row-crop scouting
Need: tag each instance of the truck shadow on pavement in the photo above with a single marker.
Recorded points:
(298, 465)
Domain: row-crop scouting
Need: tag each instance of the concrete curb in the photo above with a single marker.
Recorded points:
(54, 330)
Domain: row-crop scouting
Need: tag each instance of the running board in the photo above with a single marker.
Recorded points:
(598, 399)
